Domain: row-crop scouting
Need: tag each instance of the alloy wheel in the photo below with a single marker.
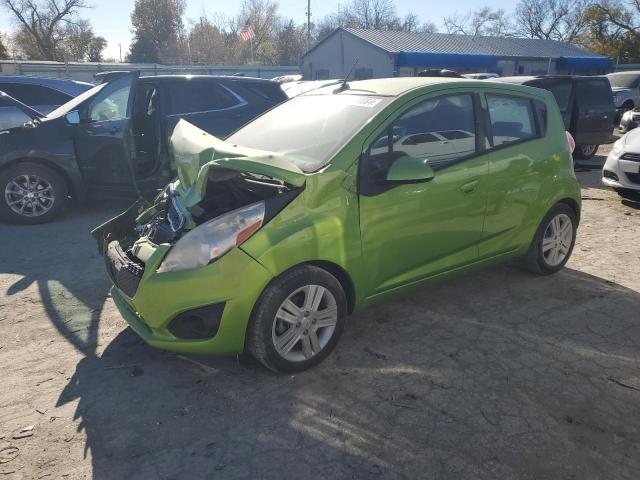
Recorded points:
(557, 240)
(304, 323)
(29, 195)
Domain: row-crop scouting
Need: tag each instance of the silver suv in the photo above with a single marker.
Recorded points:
(626, 89)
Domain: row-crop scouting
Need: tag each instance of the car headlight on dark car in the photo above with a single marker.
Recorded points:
(212, 239)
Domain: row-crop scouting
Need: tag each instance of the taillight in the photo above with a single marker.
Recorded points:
(570, 141)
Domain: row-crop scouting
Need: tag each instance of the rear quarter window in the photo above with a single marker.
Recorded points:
(512, 119)
(561, 90)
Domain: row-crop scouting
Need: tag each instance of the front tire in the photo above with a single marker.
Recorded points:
(585, 151)
(554, 241)
(31, 193)
(297, 320)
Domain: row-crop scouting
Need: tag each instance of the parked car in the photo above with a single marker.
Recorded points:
(335, 199)
(41, 94)
(626, 90)
(622, 169)
(630, 120)
(83, 147)
(586, 104)
(481, 76)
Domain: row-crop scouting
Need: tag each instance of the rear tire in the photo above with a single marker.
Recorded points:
(553, 242)
(585, 152)
(297, 320)
(31, 193)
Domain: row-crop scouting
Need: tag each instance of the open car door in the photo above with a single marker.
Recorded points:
(103, 138)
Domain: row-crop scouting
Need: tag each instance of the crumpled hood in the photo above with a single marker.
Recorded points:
(196, 153)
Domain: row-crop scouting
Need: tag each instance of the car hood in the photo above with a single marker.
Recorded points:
(197, 155)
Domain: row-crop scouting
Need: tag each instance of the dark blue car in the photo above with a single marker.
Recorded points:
(41, 94)
(112, 140)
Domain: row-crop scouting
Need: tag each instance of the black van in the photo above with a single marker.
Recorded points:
(96, 144)
(586, 104)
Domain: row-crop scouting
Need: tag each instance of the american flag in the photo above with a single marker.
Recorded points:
(247, 32)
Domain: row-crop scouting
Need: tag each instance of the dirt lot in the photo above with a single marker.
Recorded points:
(495, 375)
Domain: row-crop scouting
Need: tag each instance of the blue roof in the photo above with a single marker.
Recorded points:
(446, 60)
(585, 63)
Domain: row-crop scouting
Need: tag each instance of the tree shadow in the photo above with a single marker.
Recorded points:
(498, 374)
(61, 259)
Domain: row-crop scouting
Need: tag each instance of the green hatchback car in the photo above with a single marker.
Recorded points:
(340, 197)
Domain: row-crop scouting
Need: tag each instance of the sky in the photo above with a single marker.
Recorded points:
(111, 18)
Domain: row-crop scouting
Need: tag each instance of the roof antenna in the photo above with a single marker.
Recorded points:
(344, 85)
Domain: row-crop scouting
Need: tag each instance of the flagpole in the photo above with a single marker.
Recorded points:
(251, 45)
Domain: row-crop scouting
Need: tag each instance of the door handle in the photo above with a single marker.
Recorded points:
(469, 187)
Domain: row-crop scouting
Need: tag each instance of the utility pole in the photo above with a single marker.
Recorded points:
(120, 47)
(308, 24)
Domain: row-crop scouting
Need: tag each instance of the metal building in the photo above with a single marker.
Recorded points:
(388, 53)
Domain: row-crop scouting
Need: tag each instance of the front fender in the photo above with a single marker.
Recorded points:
(310, 230)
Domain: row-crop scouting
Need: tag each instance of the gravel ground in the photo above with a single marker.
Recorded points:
(496, 375)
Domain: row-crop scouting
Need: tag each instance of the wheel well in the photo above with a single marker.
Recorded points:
(628, 102)
(344, 279)
(48, 164)
(573, 205)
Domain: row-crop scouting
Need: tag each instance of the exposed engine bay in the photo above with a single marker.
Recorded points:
(226, 190)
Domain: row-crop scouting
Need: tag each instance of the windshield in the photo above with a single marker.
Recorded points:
(73, 103)
(311, 128)
(624, 80)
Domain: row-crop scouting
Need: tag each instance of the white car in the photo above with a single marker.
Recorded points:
(622, 169)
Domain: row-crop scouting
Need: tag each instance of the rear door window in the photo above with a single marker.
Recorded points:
(200, 95)
(594, 92)
(512, 119)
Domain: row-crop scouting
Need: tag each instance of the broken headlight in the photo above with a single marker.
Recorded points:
(211, 240)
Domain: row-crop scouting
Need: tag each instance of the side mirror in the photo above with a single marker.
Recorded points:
(73, 117)
(409, 170)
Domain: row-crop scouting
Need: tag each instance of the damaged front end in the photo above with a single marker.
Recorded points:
(223, 195)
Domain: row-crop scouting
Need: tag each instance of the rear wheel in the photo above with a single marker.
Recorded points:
(31, 193)
(553, 242)
(585, 151)
(298, 320)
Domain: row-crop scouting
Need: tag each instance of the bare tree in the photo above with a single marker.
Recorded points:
(484, 21)
(43, 23)
(625, 16)
(4, 53)
(561, 20)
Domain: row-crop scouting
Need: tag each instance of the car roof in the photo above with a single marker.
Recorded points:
(528, 78)
(229, 78)
(396, 86)
(70, 87)
(625, 72)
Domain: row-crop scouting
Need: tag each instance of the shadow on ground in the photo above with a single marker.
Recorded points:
(496, 375)
(62, 260)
